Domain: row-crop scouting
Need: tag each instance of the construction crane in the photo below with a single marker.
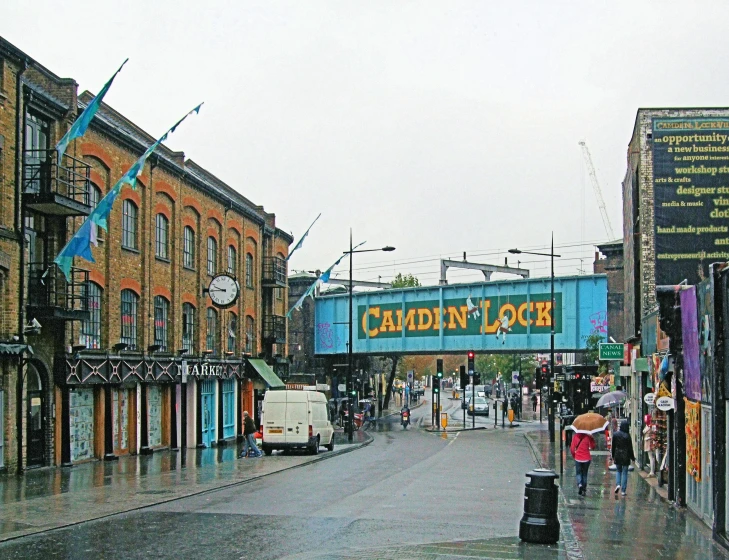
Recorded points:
(598, 190)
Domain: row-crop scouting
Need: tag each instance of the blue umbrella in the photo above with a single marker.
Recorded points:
(611, 399)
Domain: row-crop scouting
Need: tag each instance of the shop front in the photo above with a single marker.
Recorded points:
(113, 406)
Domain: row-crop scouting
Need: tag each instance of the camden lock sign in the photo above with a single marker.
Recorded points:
(515, 315)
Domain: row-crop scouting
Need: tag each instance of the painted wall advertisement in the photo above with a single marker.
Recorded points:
(689, 328)
(691, 193)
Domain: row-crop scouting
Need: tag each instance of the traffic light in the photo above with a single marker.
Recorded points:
(464, 378)
(545, 372)
(471, 357)
(439, 368)
(436, 385)
(477, 379)
(538, 381)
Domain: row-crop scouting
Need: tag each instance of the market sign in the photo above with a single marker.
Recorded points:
(597, 388)
(665, 403)
(611, 351)
(691, 197)
(650, 398)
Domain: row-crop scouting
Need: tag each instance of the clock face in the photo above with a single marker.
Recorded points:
(223, 290)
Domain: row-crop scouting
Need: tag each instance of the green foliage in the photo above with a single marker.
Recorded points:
(490, 365)
(592, 343)
(405, 281)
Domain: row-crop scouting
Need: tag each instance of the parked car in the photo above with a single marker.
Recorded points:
(480, 407)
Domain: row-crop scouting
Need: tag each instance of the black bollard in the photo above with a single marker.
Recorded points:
(539, 523)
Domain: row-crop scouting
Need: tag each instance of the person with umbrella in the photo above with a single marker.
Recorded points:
(623, 455)
(584, 426)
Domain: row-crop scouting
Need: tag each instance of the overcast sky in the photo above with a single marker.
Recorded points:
(436, 127)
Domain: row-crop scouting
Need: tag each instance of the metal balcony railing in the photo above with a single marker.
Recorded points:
(51, 187)
(274, 328)
(274, 272)
(51, 295)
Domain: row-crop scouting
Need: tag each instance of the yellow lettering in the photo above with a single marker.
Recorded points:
(543, 318)
(520, 314)
(387, 322)
(375, 312)
(511, 312)
(455, 316)
(424, 313)
(436, 319)
(410, 320)
(490, 329)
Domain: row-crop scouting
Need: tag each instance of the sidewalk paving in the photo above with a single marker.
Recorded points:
(50, 498)
(642, 524)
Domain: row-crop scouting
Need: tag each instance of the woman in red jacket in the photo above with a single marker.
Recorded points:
(581, 446)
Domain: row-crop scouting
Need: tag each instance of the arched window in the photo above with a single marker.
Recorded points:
(94, 197)
(249, 270)
(129, 307)
(188, 248)
(211, 340)
(212, 256)
(250, 335)
(232, 260)
(161, 320)
(91, 329)
(129, 225)
(232, 332)
(188, 327)
(162, 231)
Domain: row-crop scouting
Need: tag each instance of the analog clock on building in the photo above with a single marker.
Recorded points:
(223, 290)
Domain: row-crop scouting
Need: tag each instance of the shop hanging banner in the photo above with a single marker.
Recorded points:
(690, 335)
(693, 439)
(691, 197)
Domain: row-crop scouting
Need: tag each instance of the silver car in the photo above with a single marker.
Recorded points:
(479, 407)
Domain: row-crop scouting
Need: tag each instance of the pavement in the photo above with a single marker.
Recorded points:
(462, 491)
(51, 498)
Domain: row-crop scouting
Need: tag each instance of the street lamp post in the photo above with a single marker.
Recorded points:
(350, 413)
(550, 404)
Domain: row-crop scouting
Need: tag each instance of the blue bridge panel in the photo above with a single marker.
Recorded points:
(503, 316)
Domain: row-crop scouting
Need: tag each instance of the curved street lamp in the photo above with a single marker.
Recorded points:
(350, 414)
(550, 404)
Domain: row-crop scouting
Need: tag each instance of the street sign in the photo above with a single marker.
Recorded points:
(515, 377)
(611, 351)
(410, 375)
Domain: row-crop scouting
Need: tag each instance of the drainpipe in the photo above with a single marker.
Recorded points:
(20, 227)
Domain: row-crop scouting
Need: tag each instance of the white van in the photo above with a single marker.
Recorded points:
(296, 419)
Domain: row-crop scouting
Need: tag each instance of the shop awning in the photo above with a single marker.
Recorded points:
(15, 349)
(267, 374)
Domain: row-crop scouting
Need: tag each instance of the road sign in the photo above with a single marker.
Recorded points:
(410, 375)
(515, 377)
(611, 351)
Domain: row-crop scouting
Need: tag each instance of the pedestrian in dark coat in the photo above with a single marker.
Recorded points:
(622, 456)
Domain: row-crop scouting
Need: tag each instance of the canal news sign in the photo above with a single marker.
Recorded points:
(508, 316)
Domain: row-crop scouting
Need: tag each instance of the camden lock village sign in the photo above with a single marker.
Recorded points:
(497, 316)
(460, 318)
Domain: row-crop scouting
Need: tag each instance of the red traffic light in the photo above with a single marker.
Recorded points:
(471, 355)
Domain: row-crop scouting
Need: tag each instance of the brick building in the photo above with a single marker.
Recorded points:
(611, 264)
(102, 374)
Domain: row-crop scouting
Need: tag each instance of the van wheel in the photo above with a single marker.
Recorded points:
(330, 445)
(268, 452)
(314, 449)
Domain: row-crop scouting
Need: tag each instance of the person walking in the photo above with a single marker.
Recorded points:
(622, 456)
(534, 402)
(249, 430)
(648, 445)
(581, 446)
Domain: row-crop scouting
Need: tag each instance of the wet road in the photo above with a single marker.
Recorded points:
(409, 494)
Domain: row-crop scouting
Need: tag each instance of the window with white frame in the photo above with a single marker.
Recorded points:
(212, 256)
(161, 317)
(188, 247)
(90, 335)
(162, 231)
(211, 340)
(188, 327)
(232, 260)
(129, 225)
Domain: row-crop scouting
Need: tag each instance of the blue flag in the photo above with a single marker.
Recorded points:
(80, 244)
(78, 128)
(301, 241)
